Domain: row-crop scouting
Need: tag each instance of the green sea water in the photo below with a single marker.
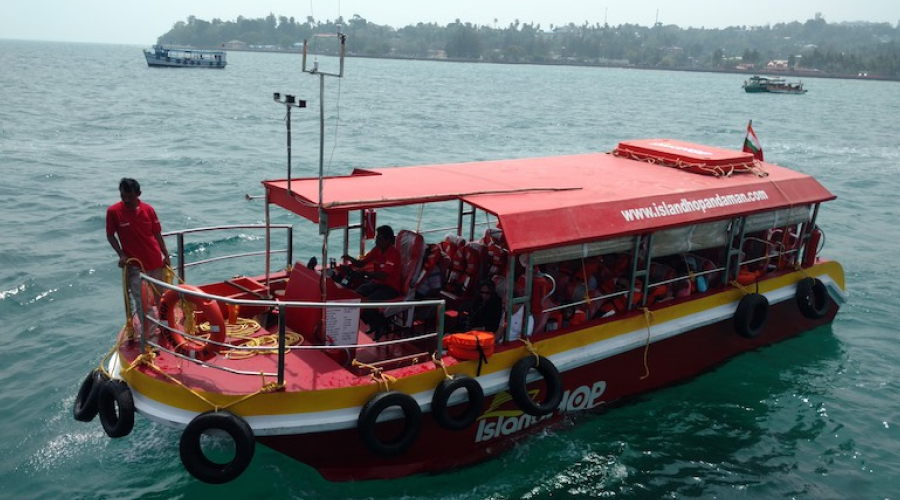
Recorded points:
(815, 417)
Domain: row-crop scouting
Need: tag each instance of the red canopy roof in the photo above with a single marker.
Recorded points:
(547, 202)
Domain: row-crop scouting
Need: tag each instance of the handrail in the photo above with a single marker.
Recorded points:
(282, 306)
(180, 252)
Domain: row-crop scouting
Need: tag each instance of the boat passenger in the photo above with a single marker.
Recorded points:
(573, 316)
(383, 281)
(134, 232)
(515, 327)
(485, 310)
(431, 278)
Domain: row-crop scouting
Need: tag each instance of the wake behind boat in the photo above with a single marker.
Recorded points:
(164, 57)
(618, 272)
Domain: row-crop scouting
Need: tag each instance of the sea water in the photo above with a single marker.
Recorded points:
(814, 417)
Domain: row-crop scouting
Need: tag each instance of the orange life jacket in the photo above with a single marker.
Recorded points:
(470, 345)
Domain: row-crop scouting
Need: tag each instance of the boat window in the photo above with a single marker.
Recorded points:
(690, 238)
(777, 218)
(572, 252)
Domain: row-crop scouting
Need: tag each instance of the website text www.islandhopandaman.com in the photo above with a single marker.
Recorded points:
(686, 206)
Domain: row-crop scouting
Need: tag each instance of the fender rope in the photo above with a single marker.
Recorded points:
(531, 349)
(648, 317)
(440, 362)
(147, 359)
(383, 379)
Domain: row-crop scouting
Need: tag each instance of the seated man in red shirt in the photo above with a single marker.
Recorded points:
(384, 279)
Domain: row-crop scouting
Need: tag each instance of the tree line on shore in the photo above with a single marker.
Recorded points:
(842, 49)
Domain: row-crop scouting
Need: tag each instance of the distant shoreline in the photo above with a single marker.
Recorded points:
(785, 73)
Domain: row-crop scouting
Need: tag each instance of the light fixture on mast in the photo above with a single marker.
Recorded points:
(289, 102)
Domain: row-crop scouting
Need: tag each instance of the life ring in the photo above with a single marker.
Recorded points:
(116, 408)
(497, 256)
(519, 390)
(752, 315)
(201, 467)
(812, 298)
(174, 334)
(86, 405)
(812, 247)
(441, 396)
(783, 242)
(412, 423)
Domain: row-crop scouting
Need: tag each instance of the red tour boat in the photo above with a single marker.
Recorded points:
(632, 270)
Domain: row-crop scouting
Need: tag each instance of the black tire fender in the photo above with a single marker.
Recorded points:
(116, 408)
(812, 298)
(752, 315)
(368, 417)
(518, 385)
(206, 470)
(441, 397)
(86, 401)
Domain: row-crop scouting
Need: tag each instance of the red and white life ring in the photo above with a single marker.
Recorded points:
(174, 334)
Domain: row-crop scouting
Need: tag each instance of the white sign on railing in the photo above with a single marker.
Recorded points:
(342, 324)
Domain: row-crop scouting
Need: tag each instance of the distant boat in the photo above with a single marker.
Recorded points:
(160, 56)
(775, 85)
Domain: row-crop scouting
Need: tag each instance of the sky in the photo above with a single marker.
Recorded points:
(141, 23)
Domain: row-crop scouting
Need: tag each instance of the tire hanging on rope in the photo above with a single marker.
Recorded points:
(473, 405)
(87, 400)
(752, 315)
(812, 298)
(519, 390)
(116, 408)
(195, 460)
(368, 417)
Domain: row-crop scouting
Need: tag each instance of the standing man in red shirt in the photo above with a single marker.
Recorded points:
(134, 232)
(384, 279)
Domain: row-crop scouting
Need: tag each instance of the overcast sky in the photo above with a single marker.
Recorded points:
(141, 23)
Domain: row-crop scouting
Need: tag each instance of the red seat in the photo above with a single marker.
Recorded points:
(411, 246)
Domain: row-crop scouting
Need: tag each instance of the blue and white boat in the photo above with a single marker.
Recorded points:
(161, 56)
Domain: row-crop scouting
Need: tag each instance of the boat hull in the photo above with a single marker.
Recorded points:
(155, 61)
(599, 364)
(594, 385)
(750, 90)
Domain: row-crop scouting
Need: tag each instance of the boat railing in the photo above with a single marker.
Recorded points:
(280, 307)
(774, 251)
(180, 250)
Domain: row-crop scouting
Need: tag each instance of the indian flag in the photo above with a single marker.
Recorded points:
(751, 143)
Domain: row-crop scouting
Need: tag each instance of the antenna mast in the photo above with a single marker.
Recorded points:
(323, 216)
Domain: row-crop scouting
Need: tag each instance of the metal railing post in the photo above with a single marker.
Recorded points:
(281, 343)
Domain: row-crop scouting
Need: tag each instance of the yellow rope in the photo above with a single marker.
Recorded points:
(265, 344)
(383, 379)
(648, 317)
(147, 359)
(440, 362)
(799, 268)
(533, 350)
(740, 287)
